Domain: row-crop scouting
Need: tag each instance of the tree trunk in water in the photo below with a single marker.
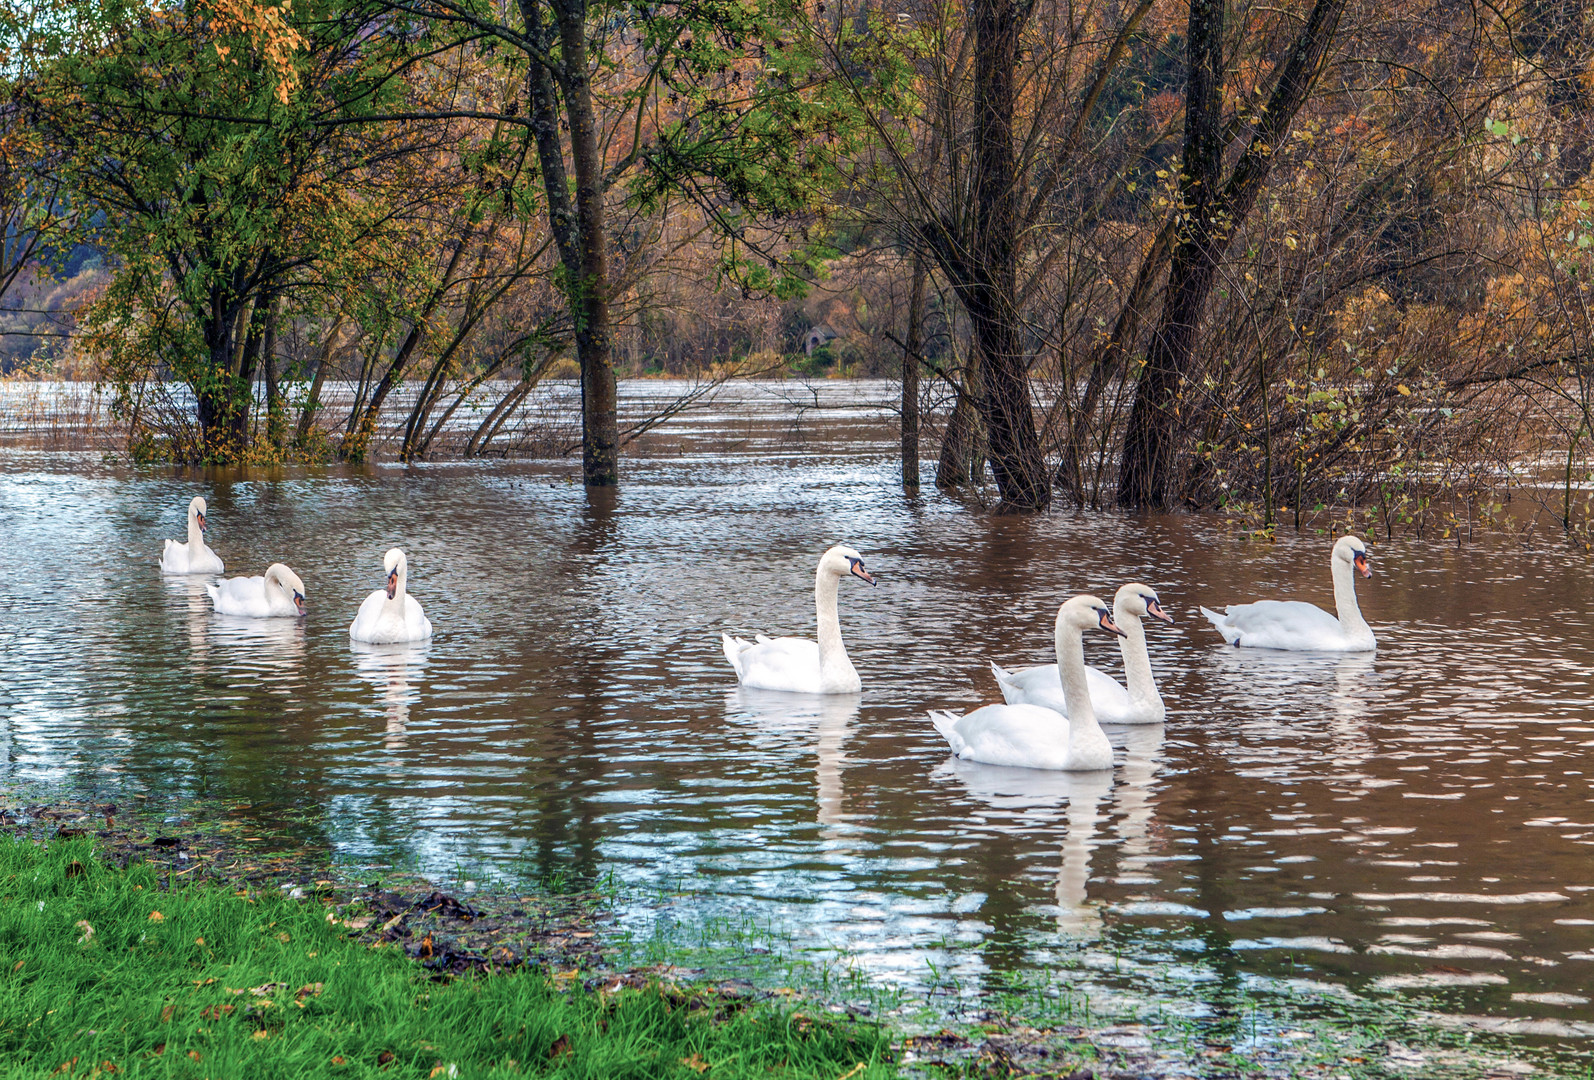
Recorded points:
(1153, 437)
(276, 408)
(962, 449)
(910, 379)
(312, 401)
(579, 230)
(1154, 418)
(990, 292)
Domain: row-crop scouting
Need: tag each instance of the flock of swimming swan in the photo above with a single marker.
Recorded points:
(1050, 717)
(387, 617)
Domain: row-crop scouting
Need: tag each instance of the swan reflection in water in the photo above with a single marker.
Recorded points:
(188, 595)
(821, 721)
(268, 653)
(1026, 798)
(1302, 703)
(395, 669)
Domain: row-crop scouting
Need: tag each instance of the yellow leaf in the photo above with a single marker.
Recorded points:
(695, 1063)
(1405, 391)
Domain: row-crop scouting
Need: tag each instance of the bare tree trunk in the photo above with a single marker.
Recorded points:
(962, 457)
(579, 230)
(1154, 433)
(912, 349)
(989, 290)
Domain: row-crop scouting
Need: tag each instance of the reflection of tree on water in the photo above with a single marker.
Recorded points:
(824, 719)
(393, 668)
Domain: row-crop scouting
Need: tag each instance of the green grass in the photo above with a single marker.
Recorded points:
(202, 982)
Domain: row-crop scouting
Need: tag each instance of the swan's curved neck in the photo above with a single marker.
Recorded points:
(833, 659)
(1351, 623)
(1141, 683)
(396, 601)
(196, 535)
(1082, 725)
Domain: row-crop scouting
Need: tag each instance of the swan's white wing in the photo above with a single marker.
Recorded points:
(417, 626)
(1043, 686)
(174, 558)
(786, 663)
(1278, 624)
(242, 596)
(1018, 736)
(366, 619)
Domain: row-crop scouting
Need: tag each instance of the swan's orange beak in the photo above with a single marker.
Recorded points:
(1107, 624)
(201, 518)
(1361, 564)
(392, 584)
(1154, 609)
(859, 571)
(298, 601)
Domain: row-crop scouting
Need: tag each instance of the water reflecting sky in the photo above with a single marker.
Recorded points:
(1419, 822)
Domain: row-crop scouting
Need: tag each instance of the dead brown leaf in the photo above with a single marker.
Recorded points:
(156, 916)
(385, 1058)
(166, 1014)
(338, 1059)
(695, 1063)
(309, 990)
(561, 1046)
(194, 1054)
(64, 1067)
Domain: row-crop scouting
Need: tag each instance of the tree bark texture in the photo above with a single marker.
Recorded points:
(989, 287)
(912, 350)
(579, 230)
(1212, 218)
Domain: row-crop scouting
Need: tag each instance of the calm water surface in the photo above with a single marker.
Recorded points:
(1417, 823)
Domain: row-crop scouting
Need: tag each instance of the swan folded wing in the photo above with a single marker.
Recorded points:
(239, 596)
(1018, 736)
(174, 557)
(1278, 624)
(779, 664)
(1043, 686)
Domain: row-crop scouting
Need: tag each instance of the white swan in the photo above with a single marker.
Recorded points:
(193, 557)
(390, 614)
(1303, 627)
(1028, 736)
(278, 594)
(796, 664)
(1140, 704)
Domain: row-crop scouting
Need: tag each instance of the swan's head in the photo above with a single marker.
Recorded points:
(1088, 612)
(394, 563)
(843, 562)
(196, 511)
(288, 582)
(1141, 601)
(1351, 550)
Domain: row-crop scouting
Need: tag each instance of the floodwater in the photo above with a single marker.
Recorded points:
(1419, 822)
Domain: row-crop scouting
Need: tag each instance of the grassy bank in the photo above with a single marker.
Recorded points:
(106, 972)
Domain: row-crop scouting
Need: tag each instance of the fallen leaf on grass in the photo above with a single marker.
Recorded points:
(850, 1073)
(443, 1070)
(262, 1034)
(338, 1059)
(199, 941)
(74, 869)
(215, 1012)
(18, 966)
(385, 1057)
(561, 1047)
(205, 982)
(64, 1067)
(160, 1048)
(166, 1014)
(156, 916)
(88, 932)
(194, 1054)
(695, 1063)
(309, 990)
(108, 1067)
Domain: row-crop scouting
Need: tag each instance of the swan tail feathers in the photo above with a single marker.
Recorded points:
(213, 590)
(1220, 623)
(946, 723)
(733, 651)
(1004, 679)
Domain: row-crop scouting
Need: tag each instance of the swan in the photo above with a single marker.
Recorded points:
(1028, 736)
(797, 664)
(193, 557)
(1140, 704)
(390, 614)
(278, 594)
(1302, 627)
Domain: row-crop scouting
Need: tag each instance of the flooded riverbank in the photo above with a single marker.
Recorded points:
(1411, 825)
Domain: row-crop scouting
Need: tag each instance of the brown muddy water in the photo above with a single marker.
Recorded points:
(1417, 824)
